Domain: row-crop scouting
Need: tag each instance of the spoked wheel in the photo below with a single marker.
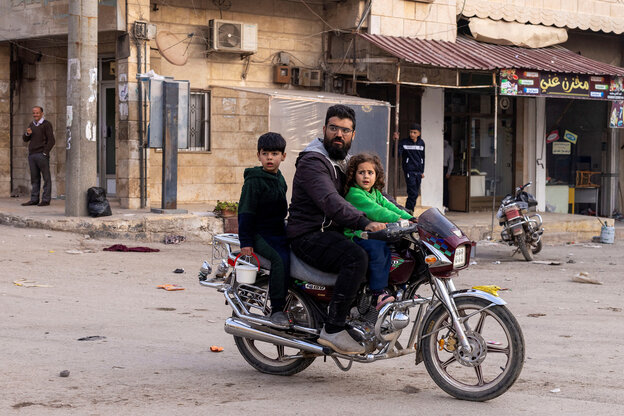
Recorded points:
(524, 247)
(276, 359)
(537, 247)
(496, 358)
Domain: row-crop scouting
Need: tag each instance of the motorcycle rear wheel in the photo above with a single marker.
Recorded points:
(493, 331)
(272, 359)
(524, 247)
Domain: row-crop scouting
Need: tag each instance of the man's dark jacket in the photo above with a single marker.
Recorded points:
(41, 140)
(317, 197)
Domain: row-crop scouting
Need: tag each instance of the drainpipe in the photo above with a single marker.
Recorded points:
(395, 179)
(11, 88)
(141, 159)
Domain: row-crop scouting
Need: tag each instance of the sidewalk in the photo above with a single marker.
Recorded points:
(200, 224)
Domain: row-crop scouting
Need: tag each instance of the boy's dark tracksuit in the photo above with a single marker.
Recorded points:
(413, 162)
(261, 212)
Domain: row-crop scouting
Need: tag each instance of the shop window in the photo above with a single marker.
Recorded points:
(199, 121)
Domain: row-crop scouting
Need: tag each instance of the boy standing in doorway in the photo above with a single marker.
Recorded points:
(412, 153)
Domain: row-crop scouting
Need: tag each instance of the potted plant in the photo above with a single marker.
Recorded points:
(226, 208)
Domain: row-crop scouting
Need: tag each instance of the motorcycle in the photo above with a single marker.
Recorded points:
(520, 229)
(470, 343)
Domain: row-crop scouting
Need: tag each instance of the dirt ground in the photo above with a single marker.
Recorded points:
(154, 355)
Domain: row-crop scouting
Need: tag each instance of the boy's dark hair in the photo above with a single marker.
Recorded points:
(361, 158)
(271, 142)
(340, 111)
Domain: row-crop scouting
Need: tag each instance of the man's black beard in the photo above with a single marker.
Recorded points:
(336, 153)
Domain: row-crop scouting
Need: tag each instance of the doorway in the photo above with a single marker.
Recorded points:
(106, 133)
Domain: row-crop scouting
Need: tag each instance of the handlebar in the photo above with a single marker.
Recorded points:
(392, 232)
(520, 188)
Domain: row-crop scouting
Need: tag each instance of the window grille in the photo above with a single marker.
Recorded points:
(199, 120)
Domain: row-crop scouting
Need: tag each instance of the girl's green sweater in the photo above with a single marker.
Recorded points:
(375, 206)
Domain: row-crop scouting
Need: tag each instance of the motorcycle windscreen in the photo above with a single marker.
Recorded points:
(437, 224)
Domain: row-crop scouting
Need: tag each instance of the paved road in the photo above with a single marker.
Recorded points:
(154, 357)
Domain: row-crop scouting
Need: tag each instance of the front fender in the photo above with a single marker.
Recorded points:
(459, 294)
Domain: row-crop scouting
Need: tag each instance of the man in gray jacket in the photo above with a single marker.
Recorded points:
(318, 214)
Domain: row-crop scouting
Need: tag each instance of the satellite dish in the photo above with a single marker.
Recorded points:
(172, 48)
(229, 35)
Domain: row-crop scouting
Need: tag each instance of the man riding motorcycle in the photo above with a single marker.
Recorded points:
(318, 214)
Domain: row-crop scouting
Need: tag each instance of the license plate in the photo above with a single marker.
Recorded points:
(460, 256)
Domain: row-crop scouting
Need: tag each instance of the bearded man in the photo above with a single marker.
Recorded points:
(318, 214)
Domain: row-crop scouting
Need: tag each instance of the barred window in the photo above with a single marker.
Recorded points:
(199, 121)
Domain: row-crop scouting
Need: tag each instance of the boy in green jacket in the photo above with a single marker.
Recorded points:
(365, 180)
(261, 212)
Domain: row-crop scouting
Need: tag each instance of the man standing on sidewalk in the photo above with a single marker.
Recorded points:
(40, 138)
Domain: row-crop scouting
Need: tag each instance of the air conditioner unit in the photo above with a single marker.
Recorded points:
(236, 37)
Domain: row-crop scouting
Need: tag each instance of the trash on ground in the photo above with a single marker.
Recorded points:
(557, 390)
(583, 277)
(170, 287)
(473, 262)
(51, 251)
(121, 247)
(496, 262)
(64, 373)
(548, 262)
(491, 289)
(536, 315)
(174, 239)
(28, 283)
(216, 348)
(571, 261)
(74, 251)
(178, 271)
(611, 308)
(92, 338)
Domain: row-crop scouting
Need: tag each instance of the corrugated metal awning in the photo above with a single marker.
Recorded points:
(469, 54)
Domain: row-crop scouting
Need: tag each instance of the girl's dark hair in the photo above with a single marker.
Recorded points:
(361, 158)
(271, 142)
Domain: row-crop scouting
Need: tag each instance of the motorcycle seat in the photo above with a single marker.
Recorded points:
(303, 271)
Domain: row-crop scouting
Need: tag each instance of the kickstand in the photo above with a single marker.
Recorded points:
(342, 367)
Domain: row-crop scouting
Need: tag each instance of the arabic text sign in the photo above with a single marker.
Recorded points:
(568, 85)
(561, 148)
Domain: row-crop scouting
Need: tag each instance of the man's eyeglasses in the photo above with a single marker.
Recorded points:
(334, 129)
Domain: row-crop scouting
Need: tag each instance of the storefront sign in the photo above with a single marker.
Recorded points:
(562, 148)
(553, 84)
(616, 118)
(569, 136)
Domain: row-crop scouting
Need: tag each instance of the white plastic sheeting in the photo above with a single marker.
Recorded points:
(517, 34)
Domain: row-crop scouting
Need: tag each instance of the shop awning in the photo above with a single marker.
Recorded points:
(469, 54)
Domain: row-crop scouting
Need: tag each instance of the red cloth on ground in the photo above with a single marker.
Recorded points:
(121, 247)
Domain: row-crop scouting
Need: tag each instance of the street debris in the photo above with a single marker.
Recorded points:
(583, 277)
(472, 262)
(496, 262)
(547, 262)
(29, 283)
(179, 271)
(121, 247)
(174, 239)
(216, 348)
(611, 308)
(170, 287)
(74, 251)
(536, 315)
(64, 373)
(557, 390)
(571, 261)
(92, 338)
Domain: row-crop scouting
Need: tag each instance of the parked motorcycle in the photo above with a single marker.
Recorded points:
(470, 343)
(520, 229)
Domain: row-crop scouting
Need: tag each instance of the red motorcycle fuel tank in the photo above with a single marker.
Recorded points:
(401, 269)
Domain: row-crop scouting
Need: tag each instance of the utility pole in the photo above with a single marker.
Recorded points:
(82, 85)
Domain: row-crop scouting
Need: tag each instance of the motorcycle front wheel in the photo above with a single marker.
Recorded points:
(524, 247)
(276, 359)
(497, 355)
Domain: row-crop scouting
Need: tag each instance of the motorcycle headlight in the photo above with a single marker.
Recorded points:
(460, 256)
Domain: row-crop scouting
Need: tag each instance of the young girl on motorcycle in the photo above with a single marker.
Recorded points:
(365, 180)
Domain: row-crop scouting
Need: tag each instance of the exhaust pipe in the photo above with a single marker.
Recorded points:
(241, 329)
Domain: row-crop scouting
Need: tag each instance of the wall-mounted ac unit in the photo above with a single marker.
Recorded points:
(235, 37)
